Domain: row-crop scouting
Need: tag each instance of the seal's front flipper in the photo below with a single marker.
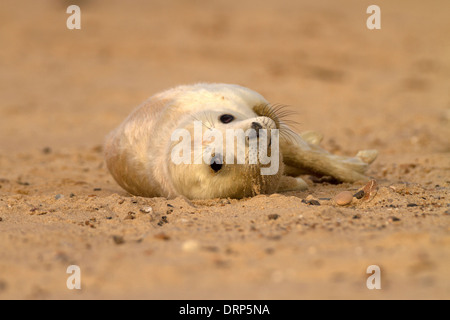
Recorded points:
(312, 159)
(291, 184)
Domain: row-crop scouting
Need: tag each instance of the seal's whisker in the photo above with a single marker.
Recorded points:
(291, 123)
(211, 121)
(281, 114)
(208, 118)
(287, 133)
(202, 122)
(199, 156)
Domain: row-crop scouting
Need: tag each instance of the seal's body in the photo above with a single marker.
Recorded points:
(139, 153)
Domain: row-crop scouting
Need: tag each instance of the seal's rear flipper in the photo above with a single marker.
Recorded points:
(367, 156)
(312, 137)
(310, 158)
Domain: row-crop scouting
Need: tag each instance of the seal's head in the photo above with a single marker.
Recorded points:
(225, 153)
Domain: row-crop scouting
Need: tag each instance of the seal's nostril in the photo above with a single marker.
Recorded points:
(257, 126)
(216, 163)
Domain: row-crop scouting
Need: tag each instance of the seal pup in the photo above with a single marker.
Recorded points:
(139, 153)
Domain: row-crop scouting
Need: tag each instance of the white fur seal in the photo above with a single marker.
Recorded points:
(139, 153)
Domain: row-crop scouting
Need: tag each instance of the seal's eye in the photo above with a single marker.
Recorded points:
(226, 118)
(216, 164)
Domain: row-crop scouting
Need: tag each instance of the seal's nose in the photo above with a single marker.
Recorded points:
(257, 126)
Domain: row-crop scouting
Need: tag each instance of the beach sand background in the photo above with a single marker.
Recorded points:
(62, 91)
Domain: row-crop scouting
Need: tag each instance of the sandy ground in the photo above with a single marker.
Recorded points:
(63, 90)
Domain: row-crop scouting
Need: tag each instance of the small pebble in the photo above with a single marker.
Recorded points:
(359, 195)
(146, 209)
(393, 219)
(343, 198)
(169, 209)
(311, 201)
(370, 190)
(162, 236)
(118, 240)
(411, 205)
(210, 248)
(130, 216)
(59, 196)
(1, 219)
(163, 221)
(190, 245)
(273, 216)
(97, 189)
(3, 285)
